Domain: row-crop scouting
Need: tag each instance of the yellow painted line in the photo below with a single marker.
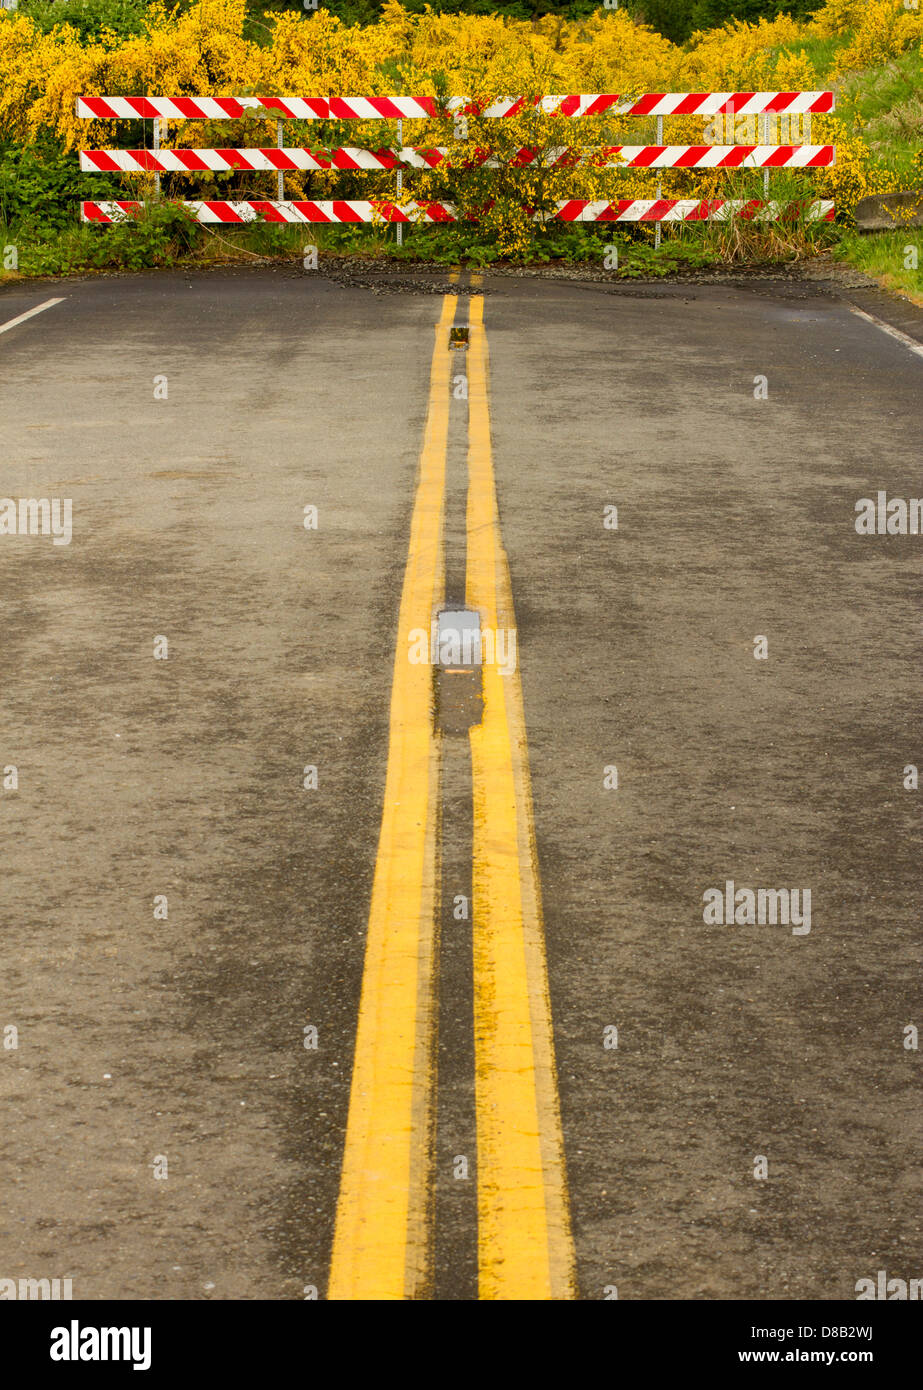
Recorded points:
(382, 1239)
(525, 1249)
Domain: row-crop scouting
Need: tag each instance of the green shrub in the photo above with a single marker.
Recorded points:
(41, 185)
(159, 235)
(90, 18)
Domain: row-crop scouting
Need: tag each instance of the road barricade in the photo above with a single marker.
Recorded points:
(280, 159)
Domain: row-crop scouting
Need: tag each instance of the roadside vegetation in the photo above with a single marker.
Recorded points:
(51, 51)
(894, 259)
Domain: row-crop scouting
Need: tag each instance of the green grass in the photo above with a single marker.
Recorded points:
(564, 243)
(819, 52)
(83, 248)
(456, 244)
(883, 255)
(885, 107)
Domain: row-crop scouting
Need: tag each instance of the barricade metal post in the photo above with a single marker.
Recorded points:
(764, 140)
(157, 147)
(281, 179)
(400, 177)
(659, 185)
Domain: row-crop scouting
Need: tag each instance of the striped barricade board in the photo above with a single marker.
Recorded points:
(281, 159)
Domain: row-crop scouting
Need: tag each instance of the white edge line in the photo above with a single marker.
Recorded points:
(904, 338)
(21, 318)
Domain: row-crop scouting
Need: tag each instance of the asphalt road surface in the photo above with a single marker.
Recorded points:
(304, 993)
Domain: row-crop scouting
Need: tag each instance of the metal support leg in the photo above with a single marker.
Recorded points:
(157, 147)
(764, 140)
(659, 184)
(281, 177)
(400, 179)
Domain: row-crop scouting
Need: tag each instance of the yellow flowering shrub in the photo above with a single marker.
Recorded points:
(838, 17)
(884, 29)
(739, 56)
(34, 70)
(854, 175)
(608, 53)
(794, 72)
(203, 51)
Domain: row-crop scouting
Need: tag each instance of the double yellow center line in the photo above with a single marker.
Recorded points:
(382, 1245)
